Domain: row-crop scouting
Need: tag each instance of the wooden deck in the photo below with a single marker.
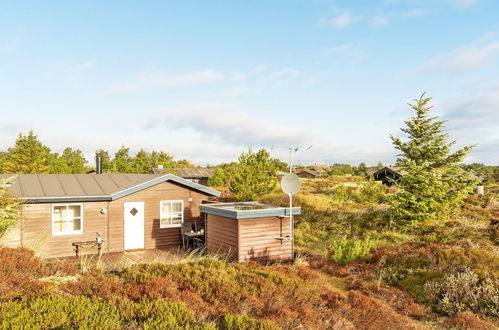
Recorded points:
(120, 260)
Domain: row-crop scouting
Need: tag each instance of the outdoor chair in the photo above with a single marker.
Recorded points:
(186, 228)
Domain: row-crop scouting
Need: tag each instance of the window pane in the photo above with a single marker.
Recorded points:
(74, 211)
(59, 212)
(165, 221)
(177, 207)
(165, 207)
(57, 226)
(64, 226)
(57, 218)
(76, 224)
(176, 218)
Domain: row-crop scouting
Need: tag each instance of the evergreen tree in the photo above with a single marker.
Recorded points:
(253, 176)
(162, 158)
(3, 159)
(362, 169)
(142, 162)
(218, 178)
(435, 185)
(122, 162)
(28, 155)
(74, 159)
(57, 164)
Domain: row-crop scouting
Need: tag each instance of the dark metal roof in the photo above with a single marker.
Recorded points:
(38, 188)
(394, 169)
(191, 173)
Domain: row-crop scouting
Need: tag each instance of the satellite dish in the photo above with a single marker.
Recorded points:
(290, 183)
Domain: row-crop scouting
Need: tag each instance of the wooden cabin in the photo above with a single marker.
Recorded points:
(128, 211)
(388, 175)
(308, 174)
(249, 231)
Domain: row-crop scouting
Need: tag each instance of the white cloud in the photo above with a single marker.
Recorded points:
(237, 91)
(121, 88)
(416, 12)
(162, 80)
(228, 124)
(259, 69)
(380, 20)
(159, 79)
(340, 48)
(474, 118)
(464, 59)
(287, 72)
(464, 3)
(342, 20)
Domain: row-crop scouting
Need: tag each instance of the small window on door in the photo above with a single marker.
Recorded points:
(171, 213)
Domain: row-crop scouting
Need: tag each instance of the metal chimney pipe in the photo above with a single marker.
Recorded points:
(98, 164)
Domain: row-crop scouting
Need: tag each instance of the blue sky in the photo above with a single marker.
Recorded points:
(204, 80)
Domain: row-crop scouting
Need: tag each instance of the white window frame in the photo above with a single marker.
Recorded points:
(176, 225)
(73, 232)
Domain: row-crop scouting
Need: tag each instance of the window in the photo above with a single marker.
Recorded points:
(171, 213)
(67, 219)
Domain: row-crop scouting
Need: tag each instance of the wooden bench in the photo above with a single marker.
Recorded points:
(80, 245)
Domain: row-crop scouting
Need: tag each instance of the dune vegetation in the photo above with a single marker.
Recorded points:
(354, 270)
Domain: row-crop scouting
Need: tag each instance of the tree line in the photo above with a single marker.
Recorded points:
(30, 155)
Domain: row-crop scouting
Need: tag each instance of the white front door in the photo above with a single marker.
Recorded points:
(134, 225)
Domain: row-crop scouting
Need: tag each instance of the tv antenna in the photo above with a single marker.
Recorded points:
(295, 150)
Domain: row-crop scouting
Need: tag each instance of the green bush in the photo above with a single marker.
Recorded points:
(341, 194)
(83, 312)
(414, 283)
(371, 192)
(344, 250)
(244, 322)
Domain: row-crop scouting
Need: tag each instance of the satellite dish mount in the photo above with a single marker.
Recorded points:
(290, 184)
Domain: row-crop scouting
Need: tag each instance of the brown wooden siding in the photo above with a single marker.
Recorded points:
(258, 239)
(221, 236)
(37, 229)
(37, 221)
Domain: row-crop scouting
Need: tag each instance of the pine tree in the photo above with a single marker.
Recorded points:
(122, 162)
(3, 159)
(162, 158)
(28, 155)
(362, 169)
(254, 176)
(74, 160)
(142, 162)
(57, 164)
(434, 186)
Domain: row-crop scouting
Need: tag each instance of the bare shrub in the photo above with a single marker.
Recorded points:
(464, 291)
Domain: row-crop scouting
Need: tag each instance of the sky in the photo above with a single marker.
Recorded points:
(205, 80)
